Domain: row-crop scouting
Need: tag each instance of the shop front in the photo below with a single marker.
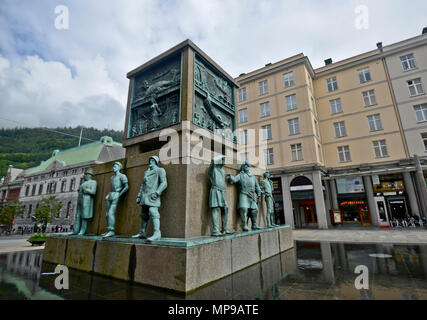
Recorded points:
(302, 196)
(309, 208)
(355, 212)
(352, 202)
(390, 195)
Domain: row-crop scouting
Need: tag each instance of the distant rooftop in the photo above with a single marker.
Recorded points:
(91, 152)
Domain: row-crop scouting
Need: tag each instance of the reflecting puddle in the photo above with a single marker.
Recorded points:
(312, 270)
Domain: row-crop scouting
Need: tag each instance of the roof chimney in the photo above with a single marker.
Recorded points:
(380, 46)
(424, 30)
(328, 61)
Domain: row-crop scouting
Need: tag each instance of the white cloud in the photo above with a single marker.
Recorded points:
(45, 93)
(106, 39)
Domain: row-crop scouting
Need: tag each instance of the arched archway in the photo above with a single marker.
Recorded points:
(302, 196)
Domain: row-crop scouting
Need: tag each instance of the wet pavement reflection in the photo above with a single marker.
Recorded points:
(309, 271)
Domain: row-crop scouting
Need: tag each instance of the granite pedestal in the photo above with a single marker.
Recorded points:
(177, 264)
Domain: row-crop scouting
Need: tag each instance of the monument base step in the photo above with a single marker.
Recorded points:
(177, 264)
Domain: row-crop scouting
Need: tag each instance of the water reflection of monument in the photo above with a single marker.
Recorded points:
(185, 91)
(330, 267)
(22, 271)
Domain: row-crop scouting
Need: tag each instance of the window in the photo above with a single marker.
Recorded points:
(339, 128)
(60, 211)
(69, 209)
(332, 84)
(263, 87)
(73, 184)
(33, 191)
(380, 149)
(244, 157)
(415, 87)
(265, 109)
(424, 137)
(30, 209)
(288, 79)
(243, 115)
(266, 132)
(375, 122)
(364, 75)
(421, 112)
(293, 126)
(41, 188)
(242, 94)
(53, 187)
(319, 150)
(344, 154)
(369, 98)
(63, 185)
(244, 137)
(296, 152)
(316, 128)
(291, 102)
(27, 191)
(408, 62)
(268, 156)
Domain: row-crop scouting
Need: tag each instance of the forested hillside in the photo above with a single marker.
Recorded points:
(26, 147)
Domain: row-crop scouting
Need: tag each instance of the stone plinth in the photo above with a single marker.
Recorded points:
(173, 263)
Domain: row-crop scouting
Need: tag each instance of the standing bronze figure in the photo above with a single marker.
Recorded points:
(153, 184)
(119, 185)
(248, 204)
(86, 195)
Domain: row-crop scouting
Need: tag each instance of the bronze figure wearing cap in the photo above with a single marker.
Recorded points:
(153, 184)
(119, 185)
(248, 203)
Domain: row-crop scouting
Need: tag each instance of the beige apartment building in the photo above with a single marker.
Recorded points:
(406, 63)
(336, 144)
(278, 102)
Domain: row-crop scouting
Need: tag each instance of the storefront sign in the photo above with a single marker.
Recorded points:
(351, 203)
(307, 203)
(350, 185)
(375, 179)
(389, 186)
(337, 216)
(389, 193)
(299, 188)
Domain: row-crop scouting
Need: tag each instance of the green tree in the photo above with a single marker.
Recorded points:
(48, 209)
(10, 211)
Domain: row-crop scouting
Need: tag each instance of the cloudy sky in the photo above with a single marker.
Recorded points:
(52, 76)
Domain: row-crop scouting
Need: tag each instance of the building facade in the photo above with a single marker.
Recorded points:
(10, 185)
(60, 176)
(344, 142)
